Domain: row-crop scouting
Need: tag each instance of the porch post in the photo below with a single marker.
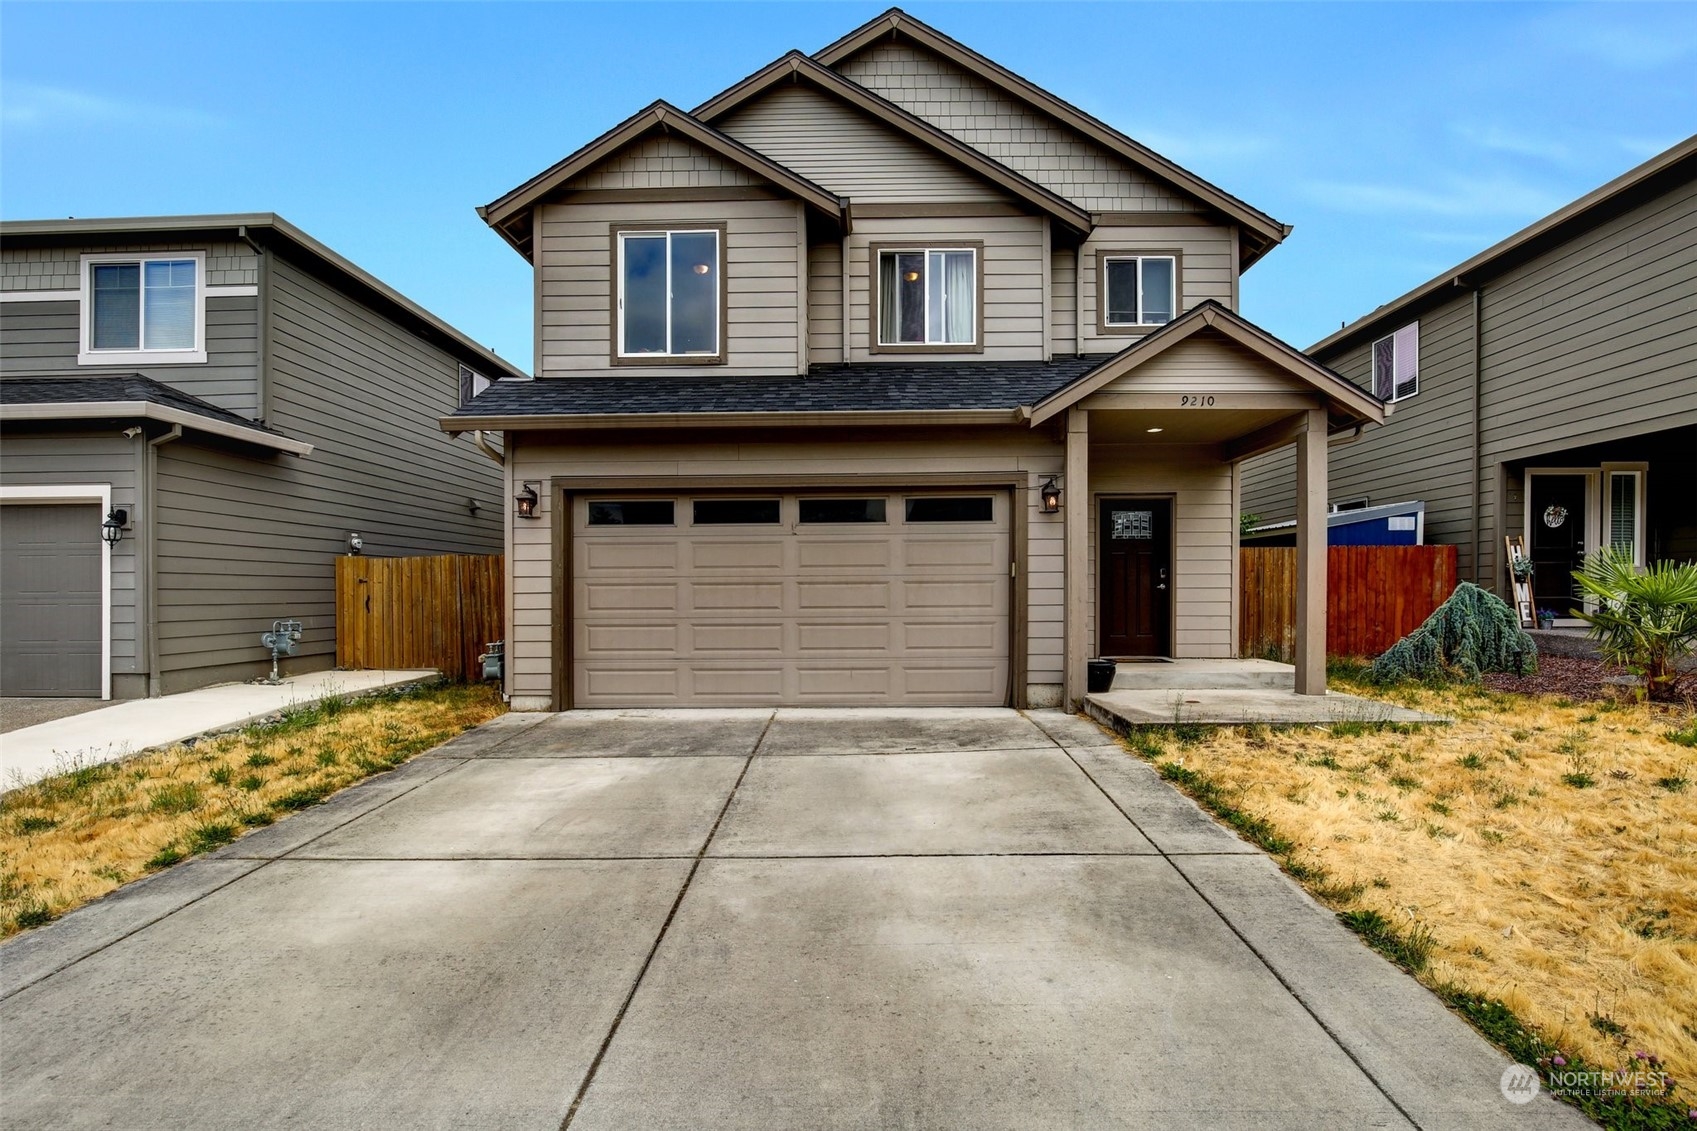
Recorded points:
(1311, 555)
(1077, 523)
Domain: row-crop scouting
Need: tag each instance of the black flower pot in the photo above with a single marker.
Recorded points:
(1100, 676)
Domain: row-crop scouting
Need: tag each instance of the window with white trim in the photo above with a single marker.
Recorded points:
(1396, 364)
(471, 383)
(669, 293)
(143, 309)
(928, 296)
(1142, 290)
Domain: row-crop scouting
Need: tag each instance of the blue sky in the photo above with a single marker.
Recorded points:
(1398, 139)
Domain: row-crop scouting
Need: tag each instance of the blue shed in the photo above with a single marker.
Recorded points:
(1393, 524)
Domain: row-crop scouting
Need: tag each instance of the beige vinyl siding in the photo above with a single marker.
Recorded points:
(764, 276)
(1009, 131)
(1206, 361)
(58, 268)
(663, 162)
(1205, 256)
(61, 457)
(245, 538)
(41, 341)
(1063, 301)
(849, 152)
(1011, 322)
(697, 460)
(1203, 548)
(825, 302)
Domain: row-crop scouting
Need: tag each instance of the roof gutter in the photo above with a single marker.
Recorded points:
(146, 410)
(537, 422)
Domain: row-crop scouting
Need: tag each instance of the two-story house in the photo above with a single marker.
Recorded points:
(1545, 389)
(197, 414)
(886, 377)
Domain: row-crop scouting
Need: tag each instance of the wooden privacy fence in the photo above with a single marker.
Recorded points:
(1375, 595)
(434, 612)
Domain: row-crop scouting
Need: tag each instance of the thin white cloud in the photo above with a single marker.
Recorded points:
(1644, 148)
(26, 105)
(1500, 140)
(1457, 197)
(1207, 145)
(1637, 38)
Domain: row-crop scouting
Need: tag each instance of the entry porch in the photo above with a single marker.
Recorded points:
(1153, 442)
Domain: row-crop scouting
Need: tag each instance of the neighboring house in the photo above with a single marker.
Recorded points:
(232, 400)
(886, 377)
(1545, 388)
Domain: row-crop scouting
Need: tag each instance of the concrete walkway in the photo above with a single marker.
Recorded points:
(128, 726)
(746, 919)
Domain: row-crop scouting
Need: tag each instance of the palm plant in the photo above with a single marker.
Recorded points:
(1645, 619)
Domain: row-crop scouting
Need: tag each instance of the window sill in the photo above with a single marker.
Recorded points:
(950, 347)
(669, 359)
(1103, 329)
(141, 357)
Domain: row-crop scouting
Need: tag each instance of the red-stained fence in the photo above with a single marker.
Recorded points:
(1375, 595)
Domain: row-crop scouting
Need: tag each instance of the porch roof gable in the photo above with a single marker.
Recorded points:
(1343, 399)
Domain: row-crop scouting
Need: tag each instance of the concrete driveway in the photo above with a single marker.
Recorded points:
(736, 919)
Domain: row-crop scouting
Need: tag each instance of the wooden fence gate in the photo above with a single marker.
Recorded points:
(1375, 595)
(432, 612)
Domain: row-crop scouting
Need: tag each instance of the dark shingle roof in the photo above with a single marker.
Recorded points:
(878, 387)
(122, 388)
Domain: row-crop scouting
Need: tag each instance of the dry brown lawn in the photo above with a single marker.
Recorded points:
(74, 837)
(1549, 848)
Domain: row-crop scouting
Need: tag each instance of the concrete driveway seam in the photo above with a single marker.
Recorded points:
(1251, 947)
(259, 863)
(660, 936)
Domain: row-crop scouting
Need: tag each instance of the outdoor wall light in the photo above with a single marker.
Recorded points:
(524, 503)
(113, 528)
(1051, 493)
(355, 543)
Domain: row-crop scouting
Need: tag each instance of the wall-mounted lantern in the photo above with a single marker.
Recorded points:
(1051, 493)
(113, 528)
(524, 503)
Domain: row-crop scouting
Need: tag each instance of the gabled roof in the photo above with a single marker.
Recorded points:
(1260, 231)
(1676, 165)
(794, 66)
(510, 213)
(1355, 403)
(131, 396)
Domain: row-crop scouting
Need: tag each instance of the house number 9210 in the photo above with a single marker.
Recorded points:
(1188, 401)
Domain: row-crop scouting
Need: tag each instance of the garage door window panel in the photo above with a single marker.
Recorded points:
(970, 508)
(632, 512)
(834, 511)
(735, 512)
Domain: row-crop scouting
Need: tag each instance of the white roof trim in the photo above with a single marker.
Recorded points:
(147, 410)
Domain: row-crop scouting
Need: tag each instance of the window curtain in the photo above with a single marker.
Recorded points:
(889, 317)
(961, 291)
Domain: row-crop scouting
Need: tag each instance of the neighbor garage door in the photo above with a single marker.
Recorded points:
(790, 599)
(50, 600)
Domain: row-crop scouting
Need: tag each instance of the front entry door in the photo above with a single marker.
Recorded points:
(1135, 612)
(1557, 505)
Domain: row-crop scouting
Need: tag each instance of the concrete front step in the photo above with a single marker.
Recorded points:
(1204, 675)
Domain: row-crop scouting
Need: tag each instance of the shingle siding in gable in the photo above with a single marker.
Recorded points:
(56, 268)
(664, 162)
(848, 152)
(1009, 131)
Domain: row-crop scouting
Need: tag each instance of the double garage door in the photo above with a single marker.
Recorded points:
(790, 599)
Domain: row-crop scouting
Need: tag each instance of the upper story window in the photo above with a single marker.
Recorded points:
(671, 296)
(1137, 291)
(143, 310)
(1396, 364)
(471, 383)
(928, 298)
